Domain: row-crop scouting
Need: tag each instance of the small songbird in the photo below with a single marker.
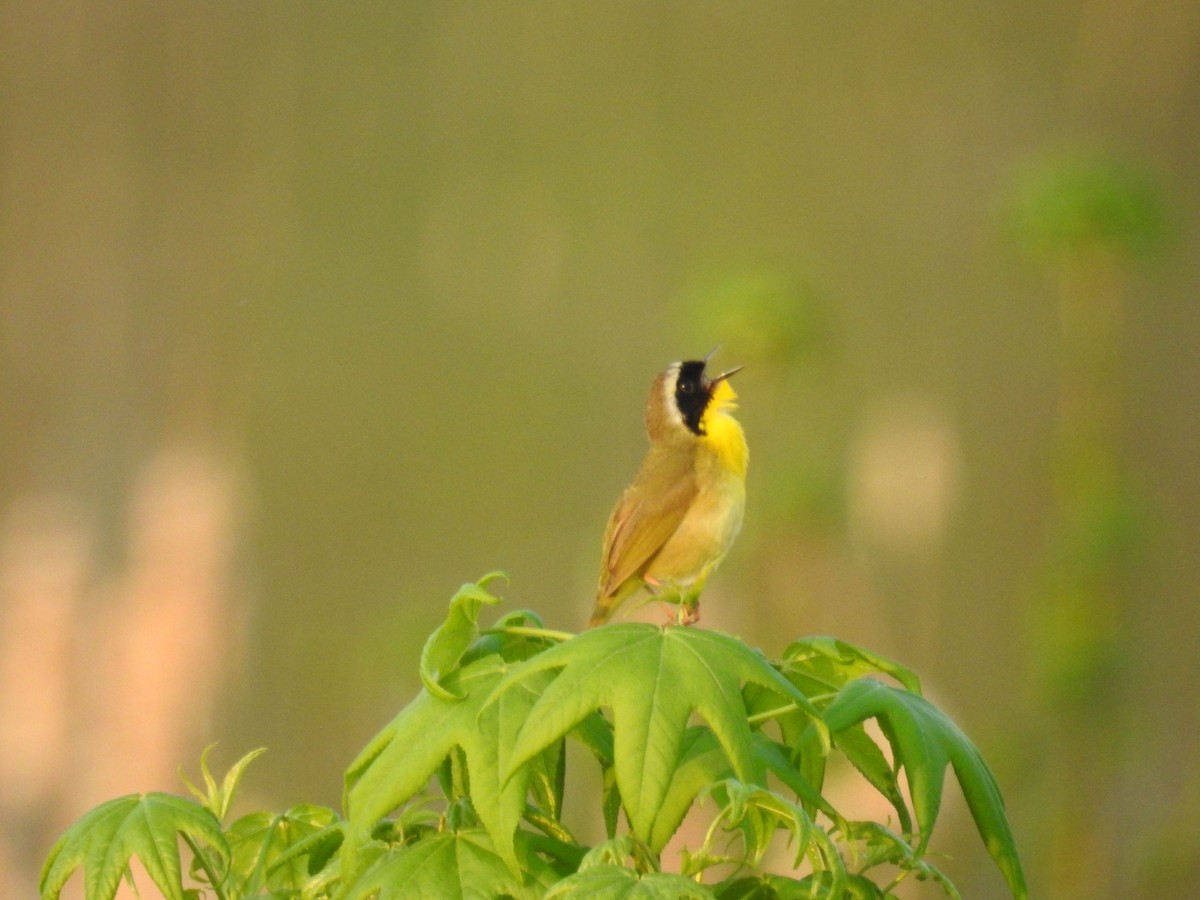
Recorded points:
(677, 520)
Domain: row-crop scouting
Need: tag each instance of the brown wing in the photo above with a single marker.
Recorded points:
(646, 516)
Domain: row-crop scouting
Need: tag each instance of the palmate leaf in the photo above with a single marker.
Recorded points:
(445, 647)
(819, 886)
(652, 679)
(882, 845)
(516, 635)
(702, 763)
(864, 754)
(399, 761)
(218, 798)
(147, 826)
(823, 664)
(277, 852)
(451, 866)
(758, 813)
(800, 754)
(820, 666)
(924, 741)
(613, 882)
(761, 815)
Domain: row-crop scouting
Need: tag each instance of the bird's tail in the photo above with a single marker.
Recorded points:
(606, 604)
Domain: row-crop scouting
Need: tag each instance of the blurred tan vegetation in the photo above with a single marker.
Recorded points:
(311, 312)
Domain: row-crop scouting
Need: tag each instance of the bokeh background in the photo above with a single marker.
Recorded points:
(312, 312)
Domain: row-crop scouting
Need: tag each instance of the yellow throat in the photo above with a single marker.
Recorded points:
(721, 432)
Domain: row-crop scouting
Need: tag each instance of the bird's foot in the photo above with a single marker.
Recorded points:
(684, 609)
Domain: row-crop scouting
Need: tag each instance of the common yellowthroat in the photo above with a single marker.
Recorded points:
(677, 520)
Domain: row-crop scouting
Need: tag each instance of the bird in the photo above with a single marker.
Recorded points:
(683, 510)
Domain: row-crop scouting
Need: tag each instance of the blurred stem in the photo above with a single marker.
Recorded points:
(1082, 616)
(1091, 316)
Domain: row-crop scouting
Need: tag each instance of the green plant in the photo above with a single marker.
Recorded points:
(673, 716)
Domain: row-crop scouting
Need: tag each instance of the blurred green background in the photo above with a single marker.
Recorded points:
(313, 311)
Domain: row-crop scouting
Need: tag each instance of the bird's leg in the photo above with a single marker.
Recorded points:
(689, 598)
(688, 611)
(664, 594)
(682, 604)
(669, 594)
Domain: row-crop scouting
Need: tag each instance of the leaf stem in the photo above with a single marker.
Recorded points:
(202, 860)
(771, 713)
(895, 882)
(528, 631)
(549, 825)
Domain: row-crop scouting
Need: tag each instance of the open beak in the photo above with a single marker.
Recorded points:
(723, 375)
(726, 374)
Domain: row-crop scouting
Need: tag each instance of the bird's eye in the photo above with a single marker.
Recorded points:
(687, 387)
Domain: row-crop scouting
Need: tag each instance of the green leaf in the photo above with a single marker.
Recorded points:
(780, 887)
(233, 777)
(758, 813)
(400, 760)
(446, 646)
(800, 759)
(626, 851)
(820, 664)
(147, 826)
(776, 761)
(276, 852)
(547, 780)
(218, 799)
(449, 866)
(924, 741)
(516, 636)
(653, 679)
(563, 857)
(613, 882)
(864, 754)
(595, 733)
(702, 763)
(885, 846)
(210, 796)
